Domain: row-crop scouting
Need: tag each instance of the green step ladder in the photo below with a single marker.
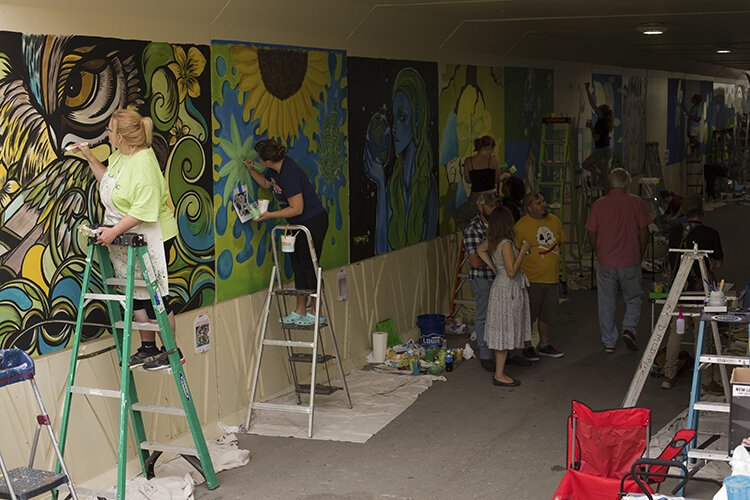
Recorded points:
(555, 180)
(123, 325)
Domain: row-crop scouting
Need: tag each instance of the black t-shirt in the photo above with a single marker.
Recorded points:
(684, 236)
(292, 180)
(601, 128)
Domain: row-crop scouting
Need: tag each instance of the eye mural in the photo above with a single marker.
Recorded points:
(56, 90)
(298, 97)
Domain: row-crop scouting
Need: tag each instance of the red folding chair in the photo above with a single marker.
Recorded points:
(603, 448)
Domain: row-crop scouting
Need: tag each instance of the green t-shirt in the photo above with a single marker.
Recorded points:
(141, 190)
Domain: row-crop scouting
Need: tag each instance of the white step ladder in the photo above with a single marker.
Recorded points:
(276, 290)
(687, 260)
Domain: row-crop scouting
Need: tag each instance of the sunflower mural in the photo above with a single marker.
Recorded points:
(55, 90)
(472, 104)
(298, 97)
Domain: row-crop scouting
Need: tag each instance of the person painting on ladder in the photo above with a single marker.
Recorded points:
(134, 194)
(299, 204)
(598, 162)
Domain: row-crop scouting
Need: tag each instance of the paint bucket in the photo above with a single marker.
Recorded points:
(287, 241)
(379, 346)
(737, 486)
(431, 330)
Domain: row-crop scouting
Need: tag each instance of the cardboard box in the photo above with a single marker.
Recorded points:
(739, 408)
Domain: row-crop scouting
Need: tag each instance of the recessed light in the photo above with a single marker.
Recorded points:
(723, 51)
(652, 28)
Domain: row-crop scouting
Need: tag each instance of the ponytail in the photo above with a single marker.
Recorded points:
(148, 130)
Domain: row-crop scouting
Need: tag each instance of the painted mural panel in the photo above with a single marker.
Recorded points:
(634, 124)
(472, 105)
(528, 99)
(393, 168)
(298, 97)
(607, 89)
(727, 102)
(55, 90)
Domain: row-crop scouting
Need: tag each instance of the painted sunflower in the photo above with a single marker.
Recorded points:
(281, 87)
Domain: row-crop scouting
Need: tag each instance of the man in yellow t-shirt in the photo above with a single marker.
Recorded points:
(542, 267)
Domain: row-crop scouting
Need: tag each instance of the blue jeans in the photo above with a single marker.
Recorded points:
(480, 287)
(607, 279)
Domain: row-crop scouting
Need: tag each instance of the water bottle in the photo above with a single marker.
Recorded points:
(680, 323)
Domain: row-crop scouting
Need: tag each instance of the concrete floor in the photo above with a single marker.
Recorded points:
(467, 438)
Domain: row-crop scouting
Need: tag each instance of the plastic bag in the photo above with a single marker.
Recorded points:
(740, 463)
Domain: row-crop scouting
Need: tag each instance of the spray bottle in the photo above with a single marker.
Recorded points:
(680, 323)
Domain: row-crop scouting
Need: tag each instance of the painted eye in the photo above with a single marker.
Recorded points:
(81, 88)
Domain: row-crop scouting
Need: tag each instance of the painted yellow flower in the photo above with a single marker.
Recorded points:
(177, 132)
(7, 187)
(281, 87)
(187, 68)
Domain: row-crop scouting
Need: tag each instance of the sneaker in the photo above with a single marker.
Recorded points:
(162, 361)
(518, 361)
(549, 351)
(142, 355)
(629, 339)
(667, 383)
(609, 350)
(530, 354)
(488, 364)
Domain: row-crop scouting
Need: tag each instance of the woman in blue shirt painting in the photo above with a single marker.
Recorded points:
(298, 204)
(406, 207)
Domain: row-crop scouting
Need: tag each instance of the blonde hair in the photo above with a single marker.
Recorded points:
(136, 131)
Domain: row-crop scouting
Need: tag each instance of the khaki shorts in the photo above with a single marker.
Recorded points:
(543, 301)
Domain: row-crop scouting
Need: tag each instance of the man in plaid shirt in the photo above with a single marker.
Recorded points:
(481, 277)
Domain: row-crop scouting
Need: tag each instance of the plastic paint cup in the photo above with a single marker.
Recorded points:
(738, 487)
(263, 205)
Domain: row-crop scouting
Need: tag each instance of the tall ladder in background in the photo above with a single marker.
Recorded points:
(556, 182)
(700, 452)
(276, 290)
(122, 328)
(460, 279)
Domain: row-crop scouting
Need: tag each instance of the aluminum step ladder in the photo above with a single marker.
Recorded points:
(130, 408)
(314, 350)
(676, 293)
(702, 453)
(555, 181)
(23, 483)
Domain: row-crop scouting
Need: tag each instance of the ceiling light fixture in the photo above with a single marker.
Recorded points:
(652, 28)
(723, 51)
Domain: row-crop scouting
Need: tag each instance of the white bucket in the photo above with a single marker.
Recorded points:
(379, 346)
(287, 243)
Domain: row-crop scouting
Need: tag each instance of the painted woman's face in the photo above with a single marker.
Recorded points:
(402, 122)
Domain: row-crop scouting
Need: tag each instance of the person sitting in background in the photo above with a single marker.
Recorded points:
(672, 202)
(482, 171)
(686, 235)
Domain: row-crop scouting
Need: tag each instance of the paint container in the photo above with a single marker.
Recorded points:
(717, 298)
(263, 205)
(287, 241)
(379, 346)
(738, 487)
